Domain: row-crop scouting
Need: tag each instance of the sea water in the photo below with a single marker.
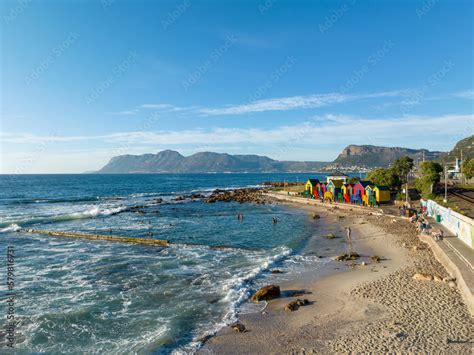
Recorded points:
(77, 295)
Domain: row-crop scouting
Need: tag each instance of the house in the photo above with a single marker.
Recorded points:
(310, 185)
(337, 175)
(358, 190)
(382, 193)
(334, 186)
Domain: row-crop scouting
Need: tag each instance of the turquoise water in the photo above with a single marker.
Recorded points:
(97, 296)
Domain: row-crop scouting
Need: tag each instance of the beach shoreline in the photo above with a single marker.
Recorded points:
(359, 308)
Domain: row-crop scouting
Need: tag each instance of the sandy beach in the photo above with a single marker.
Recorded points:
(376, 307)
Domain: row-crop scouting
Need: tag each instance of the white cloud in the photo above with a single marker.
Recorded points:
(296, 102)
(318, 130)
(125, 113)
(467, 94)
(156, 106)
(319, 138)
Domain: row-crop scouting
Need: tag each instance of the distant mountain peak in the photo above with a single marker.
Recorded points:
(378, 156)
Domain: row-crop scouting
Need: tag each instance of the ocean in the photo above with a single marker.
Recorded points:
(76, 295)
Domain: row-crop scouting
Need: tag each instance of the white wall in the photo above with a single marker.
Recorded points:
(460, 225)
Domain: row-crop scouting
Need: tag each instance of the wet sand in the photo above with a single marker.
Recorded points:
(378, 307)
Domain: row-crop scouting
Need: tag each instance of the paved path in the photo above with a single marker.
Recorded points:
(457, 258)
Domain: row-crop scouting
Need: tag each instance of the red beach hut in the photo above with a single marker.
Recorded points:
(359, 190)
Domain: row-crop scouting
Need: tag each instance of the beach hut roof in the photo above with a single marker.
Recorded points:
(336, 183)
(364, 183)
(337, 173)
(382, 187)
(313, 181)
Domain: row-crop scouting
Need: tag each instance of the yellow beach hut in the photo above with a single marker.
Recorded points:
(311, 185)
(370, 196)
(382, 193)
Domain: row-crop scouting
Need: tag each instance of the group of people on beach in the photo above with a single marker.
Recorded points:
(424, 227)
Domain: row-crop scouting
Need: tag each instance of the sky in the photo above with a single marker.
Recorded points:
(83, 81)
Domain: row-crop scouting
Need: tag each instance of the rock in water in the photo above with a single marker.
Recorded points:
(266, 293)
(276, 271)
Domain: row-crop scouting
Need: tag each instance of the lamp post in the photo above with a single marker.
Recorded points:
(406, 191)
(445, 184)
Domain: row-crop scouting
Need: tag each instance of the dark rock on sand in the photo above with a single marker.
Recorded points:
(376, 258)
(294, 305)
(266, 293)
(238, 327)
(344, 257)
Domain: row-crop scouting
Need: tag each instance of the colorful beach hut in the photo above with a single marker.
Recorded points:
(310, 185)
(382, 193)
(321, 189)
(334, 187)
(347, 192)
(358, 191)
(369, 198)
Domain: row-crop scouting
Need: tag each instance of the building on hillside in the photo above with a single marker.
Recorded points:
(337, 175)
(310, 185)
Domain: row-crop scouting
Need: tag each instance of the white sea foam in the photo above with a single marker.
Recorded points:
(11, 228)
(237, 291)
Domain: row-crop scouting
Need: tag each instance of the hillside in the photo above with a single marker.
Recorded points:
(374, 156)
(169, 161)
(467, 147)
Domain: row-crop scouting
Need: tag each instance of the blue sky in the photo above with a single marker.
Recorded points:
(82, 81)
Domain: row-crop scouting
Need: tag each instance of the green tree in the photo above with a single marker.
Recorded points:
(401, 167)
(381, 176)
(430, 175)
(468, 168)
(353, 180)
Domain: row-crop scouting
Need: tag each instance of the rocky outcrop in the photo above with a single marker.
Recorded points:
(266, 293)
(239, 195)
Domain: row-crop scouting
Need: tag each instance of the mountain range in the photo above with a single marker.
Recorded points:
(169, 161)
(353, 157)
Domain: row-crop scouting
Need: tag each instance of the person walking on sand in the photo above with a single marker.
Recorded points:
(349, 239)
